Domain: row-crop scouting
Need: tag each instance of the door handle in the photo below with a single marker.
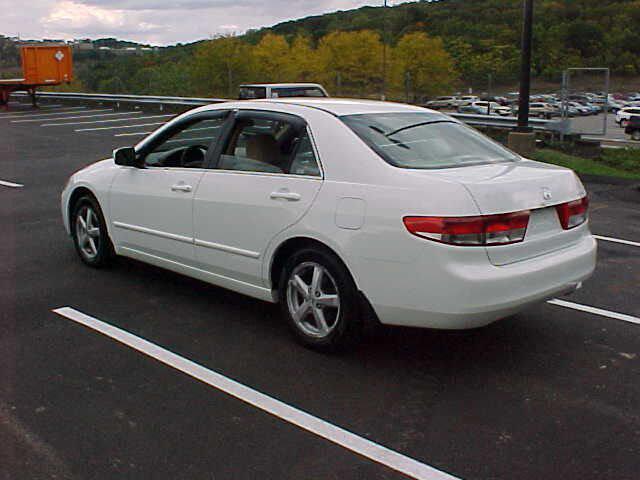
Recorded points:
(285, 195)
(181, 187)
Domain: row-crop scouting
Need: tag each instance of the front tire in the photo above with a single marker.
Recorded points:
(89, 233)
(320, 300)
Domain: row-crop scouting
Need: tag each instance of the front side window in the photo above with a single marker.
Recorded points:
(269, 146)
(425, 140)
(187, 147)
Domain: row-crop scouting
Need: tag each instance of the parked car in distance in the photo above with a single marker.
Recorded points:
(281, 90)
(614, 106)
(485, 108)
(624, 114)
(467, 100)
(442, 102)
(633, 127)
(540, 110)
(581, 109)
(340, 211)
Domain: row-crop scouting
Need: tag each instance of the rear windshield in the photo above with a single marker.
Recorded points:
(425, 140)
(297, 92)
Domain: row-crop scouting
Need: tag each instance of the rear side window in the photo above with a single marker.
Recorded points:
(265, 145)
(425, 141)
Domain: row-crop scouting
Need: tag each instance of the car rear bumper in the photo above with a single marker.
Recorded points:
(474, 294)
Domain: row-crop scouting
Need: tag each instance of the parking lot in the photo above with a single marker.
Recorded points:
(169, 377)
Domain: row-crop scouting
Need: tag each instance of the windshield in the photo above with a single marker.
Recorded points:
(424, 140)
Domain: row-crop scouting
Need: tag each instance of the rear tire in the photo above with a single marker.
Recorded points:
(89, 233)
(320, 300)
(635, 135)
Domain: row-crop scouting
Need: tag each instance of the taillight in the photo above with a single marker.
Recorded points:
(572, 214)
(483, 230)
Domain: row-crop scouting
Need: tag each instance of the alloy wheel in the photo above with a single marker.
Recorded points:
(88, 232)
(313, 299)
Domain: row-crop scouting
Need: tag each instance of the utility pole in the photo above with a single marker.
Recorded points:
(384, 51)
(525, 68)
(523, 139)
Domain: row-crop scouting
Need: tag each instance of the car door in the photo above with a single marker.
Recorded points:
(265, 177)
(152, 206)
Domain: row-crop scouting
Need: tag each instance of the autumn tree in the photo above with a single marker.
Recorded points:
(220, 65)
(422, 64)
(271, 58)
(303, 61)
(352, 61)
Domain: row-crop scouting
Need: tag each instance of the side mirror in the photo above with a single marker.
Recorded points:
(125, 156)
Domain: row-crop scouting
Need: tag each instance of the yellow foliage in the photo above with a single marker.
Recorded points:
(352, 61)
(272, 59)
(422, 64)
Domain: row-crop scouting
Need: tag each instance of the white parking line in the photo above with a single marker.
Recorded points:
(10, 184)
(617, 240)
(106, 121)
(65, 118)
(59, 111)
(119, 126)
(131, 134)
(41, 107)
(371, 450)
(595, 311)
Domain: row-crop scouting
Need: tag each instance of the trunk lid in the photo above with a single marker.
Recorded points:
(522, 185)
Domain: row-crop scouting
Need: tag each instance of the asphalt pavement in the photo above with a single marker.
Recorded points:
(552, 393)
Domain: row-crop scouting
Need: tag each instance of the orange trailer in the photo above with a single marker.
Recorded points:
(42, 65)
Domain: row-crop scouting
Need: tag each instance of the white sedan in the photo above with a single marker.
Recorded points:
(341, 211)
(624, 114)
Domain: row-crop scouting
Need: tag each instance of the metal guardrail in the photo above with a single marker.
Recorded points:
(495, 121)
(103, 97)
(559, 126)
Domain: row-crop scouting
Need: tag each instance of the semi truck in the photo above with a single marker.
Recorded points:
(42, 65)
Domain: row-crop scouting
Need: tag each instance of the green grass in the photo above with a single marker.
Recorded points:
(623, 163)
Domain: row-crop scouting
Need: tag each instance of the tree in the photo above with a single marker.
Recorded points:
(355, 58)
(272, 60)
(422, 63)
(303, 61)
(220, 65)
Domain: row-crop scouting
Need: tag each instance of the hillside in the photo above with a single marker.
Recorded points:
(432, 47)
(566, 32)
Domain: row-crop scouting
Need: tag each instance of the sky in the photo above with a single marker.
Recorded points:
(159, 22)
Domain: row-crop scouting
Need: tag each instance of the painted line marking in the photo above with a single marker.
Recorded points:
(595, 311)
(32, 113)
(106, 121)
(39, 107)
(119, 126)
(131, 134)
(617, 240)
(63, 118)
(367, 448)
(11, 184)
(147, 133)
(100, 115)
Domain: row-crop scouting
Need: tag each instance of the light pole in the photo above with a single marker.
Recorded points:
(384, 51)
(525, 68)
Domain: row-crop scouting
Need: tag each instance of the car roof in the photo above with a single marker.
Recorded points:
(280, 85)
(344, 106)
